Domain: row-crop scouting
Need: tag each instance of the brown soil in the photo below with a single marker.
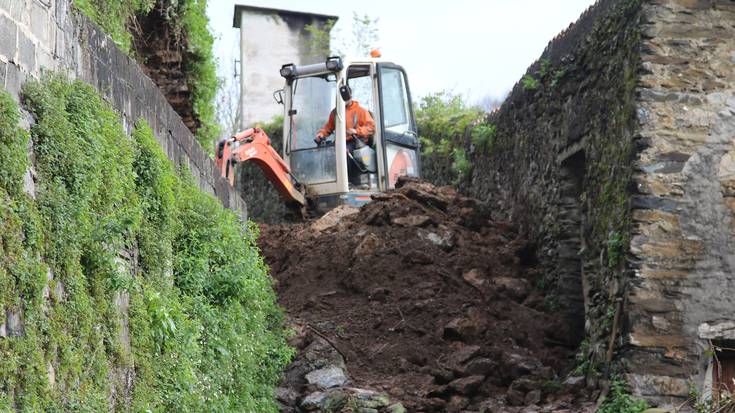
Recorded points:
(426, 299)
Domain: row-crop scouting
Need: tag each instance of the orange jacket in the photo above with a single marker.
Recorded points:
(365, 126)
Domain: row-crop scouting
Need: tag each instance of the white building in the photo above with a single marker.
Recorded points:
(270, 38)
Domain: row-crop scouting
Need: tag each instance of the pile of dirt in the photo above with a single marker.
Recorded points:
(427, 300)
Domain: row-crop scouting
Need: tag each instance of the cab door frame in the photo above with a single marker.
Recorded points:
(383, 155)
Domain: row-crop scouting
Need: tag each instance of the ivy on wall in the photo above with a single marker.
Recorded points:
(113, 224)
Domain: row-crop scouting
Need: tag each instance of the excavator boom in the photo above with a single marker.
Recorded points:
(254, 145)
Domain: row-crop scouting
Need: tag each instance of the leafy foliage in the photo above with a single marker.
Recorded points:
(529, 82)
(620, 401)
(204, 331)
(483, 135)
(115, 17)
(460, 164)
(325, 40)
(442, 119)
(13, 142)
(615, 244)
(319, 39)
(189, 31)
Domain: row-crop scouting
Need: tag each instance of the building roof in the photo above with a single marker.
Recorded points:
(239, 8)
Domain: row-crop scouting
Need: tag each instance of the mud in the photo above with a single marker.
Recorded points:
(429, 301)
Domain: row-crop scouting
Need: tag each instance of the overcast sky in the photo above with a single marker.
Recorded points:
(478, 48)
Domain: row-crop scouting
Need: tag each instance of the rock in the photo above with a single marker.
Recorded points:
(658, 410)
(474, 279)
(333, 218)
(460, 329)
(515, 365)
(442, 376)
(379, 294)
(369, 399)
(327, 377)
(493, 406)
(13, 323)
(574, 384)
(313, 401)
(367, 246)
(466, 385)
(516, 288)
(464, 354)
(412, 221)
(533, 397)
(524, 385)
(515, 397)
(444, 239)
(395, 408)
(334, 401)
(457, 403)
(480, 366)
(433, 404)
(288, 396)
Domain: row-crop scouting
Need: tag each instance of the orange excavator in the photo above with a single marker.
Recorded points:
(319, 177)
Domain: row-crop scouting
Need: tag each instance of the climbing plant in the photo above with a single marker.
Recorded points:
(189, 31)
(115, 225)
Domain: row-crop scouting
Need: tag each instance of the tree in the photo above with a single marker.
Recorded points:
(327, 41)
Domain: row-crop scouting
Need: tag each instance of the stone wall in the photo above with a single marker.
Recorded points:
(560, 169)
(683, 246)
(617, 154)
(38, 35)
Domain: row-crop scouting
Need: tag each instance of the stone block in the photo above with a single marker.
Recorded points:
(40, 26)
(26, 52)
(14, 79)
(652, 385)
(718, 331)
(5, 6)
(3, 68)
(8, 37)
(17, 7)
(45, 60)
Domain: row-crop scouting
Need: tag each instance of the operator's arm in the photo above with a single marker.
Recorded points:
(366, 125)
(328, 127)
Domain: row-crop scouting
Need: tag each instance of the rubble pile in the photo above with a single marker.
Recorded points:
(423, 300)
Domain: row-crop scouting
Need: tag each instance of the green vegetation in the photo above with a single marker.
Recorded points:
(320, 39)
(529, 82)
(188, 29)
(460, 164)
(115, 17)
(442, 120)
(204, 331)
(325, 41)
(543, 69)
(556, 78)
(614, 249)
(620, 401)
(483, 135)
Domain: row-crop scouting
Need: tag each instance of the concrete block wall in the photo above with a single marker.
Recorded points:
(40, 35)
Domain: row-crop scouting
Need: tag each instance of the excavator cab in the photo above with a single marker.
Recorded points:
(321, 177)
(331, 174)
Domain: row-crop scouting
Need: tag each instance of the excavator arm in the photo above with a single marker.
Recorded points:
(254, 145)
